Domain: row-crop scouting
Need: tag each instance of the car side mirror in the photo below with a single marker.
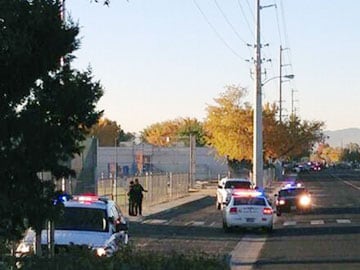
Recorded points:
(111, 220)
(121, 227)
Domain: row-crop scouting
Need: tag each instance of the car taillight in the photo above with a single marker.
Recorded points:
(267, 211)
(233, 210)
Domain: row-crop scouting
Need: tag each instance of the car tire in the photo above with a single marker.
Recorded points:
(278, 213)
(269, 229)
(218, 205)
(226, 228)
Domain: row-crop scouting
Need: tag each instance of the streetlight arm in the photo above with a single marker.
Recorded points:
(290, 76)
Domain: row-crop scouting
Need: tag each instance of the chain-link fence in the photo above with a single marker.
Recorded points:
(160, 188)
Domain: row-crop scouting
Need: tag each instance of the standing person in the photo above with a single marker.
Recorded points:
(132, 199)
(138, 196)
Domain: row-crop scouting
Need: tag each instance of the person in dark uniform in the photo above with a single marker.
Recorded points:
(132, 199)
(138, 196)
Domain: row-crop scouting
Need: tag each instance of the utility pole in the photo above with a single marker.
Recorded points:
(281, 76)
(280, 85)
(258, 136)
(293, 110)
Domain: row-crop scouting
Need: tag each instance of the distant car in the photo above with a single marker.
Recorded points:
(303, 168)
(247, 209)
(226, 186)
(90, 221)
(316, 167)
(293, 198)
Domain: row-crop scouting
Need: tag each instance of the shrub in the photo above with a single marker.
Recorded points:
(126, 259)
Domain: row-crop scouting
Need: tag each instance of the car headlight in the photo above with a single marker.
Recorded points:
(23, 248)
(280, 202)
(101, 252)
(305, 200)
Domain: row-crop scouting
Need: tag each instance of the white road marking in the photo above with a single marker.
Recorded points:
(343, 221)
(352, 185)
(198, 223)
(317, 222)
(289, 223)
(212, 224)
(155, 221)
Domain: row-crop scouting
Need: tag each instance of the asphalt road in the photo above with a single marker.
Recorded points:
(326, 238)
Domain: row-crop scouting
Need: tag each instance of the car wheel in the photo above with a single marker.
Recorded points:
(278, 213)
(218, 205)
(269, 229)
(226, 228)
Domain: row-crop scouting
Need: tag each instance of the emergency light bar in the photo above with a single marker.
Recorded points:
(247, 193)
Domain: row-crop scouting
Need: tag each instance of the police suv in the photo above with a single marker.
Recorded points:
(90, 221)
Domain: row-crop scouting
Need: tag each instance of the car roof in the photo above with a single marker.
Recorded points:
(302, 188)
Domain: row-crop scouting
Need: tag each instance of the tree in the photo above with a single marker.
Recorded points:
(351, 153)
(301, 136)
(229, 129)
(229, 125)
(168, 132)
(325, 153)
(46, 110)
(109, 133)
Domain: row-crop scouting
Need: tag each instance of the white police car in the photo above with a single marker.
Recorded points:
(90, 221)
(248, 209)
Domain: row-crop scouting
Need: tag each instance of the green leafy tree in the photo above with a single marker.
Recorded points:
(45, 110)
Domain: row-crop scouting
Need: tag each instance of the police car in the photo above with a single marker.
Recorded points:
(248, 209)
(90, 221)
(227, 186)
(293, 197)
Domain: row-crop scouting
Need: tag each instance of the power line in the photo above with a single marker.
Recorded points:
(217, 33)
(287, 43)
(251, 11)
(229, 23)
(278, 24)
(246, 20)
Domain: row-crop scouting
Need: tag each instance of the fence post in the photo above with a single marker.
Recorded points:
(171, 185)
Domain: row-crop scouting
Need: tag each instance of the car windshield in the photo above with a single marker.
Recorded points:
(237, 184)
(249, 201)
(82, 219)
(291, 192)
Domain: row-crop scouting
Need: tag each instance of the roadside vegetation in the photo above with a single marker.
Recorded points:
(126, 259)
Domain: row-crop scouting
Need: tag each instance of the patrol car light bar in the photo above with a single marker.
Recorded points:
(247, 193)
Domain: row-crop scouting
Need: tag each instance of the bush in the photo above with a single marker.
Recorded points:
(126, 259)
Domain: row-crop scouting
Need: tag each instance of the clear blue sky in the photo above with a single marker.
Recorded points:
(163, 59)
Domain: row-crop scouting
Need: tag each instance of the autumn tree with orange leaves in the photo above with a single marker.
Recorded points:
(173, 131)
(109, 133)
(229, 129)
